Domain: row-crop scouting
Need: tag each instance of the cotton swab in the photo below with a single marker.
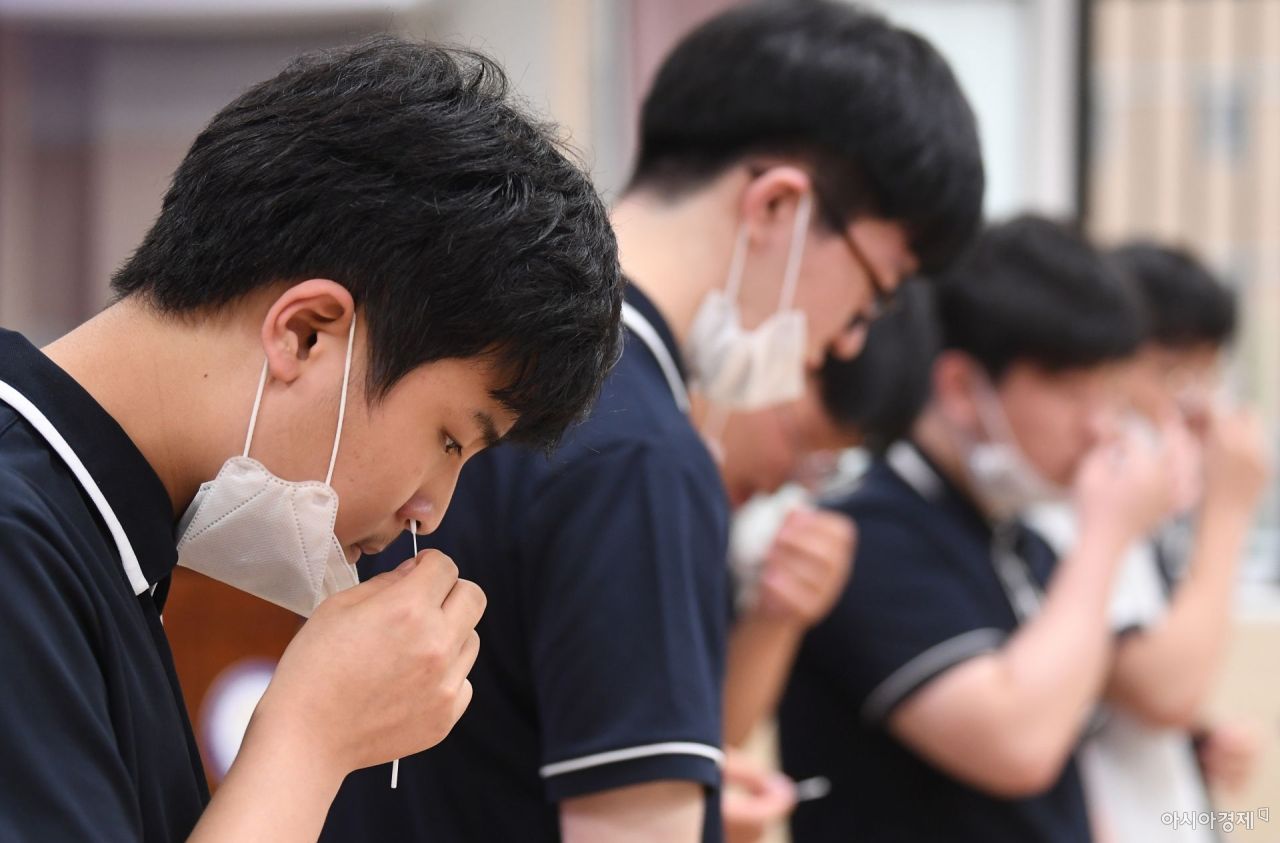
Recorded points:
(814, 788)
(395, 765)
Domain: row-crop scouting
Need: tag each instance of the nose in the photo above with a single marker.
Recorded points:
(1103, 423)
(429, 505)
(850, 342)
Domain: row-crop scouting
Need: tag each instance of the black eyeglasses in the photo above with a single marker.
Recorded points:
(883, 299)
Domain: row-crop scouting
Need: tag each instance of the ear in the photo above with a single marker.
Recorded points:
(954, 373)
(301, 317)
(768, 204)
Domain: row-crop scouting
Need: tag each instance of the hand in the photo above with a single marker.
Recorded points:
(1236, 462)
(754, 798)
(1185, 456)
(380, 670)
(1125, 487)
(807, 566)
(1229, 754)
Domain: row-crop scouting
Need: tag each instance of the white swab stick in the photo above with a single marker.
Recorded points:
(395, 765)
(814, 788)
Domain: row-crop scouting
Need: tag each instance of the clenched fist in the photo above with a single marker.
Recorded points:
(807, 565)
(380, 670)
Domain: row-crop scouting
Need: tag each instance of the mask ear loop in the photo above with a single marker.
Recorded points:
(342, 400)
(342, 403)
(799, 236)
(737, 264)
(253, 414)
(995, 422)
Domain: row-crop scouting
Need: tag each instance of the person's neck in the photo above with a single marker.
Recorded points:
(675, 251)
(165, 385)
(935, 438)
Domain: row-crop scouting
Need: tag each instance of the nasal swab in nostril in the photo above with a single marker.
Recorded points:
(395, 765)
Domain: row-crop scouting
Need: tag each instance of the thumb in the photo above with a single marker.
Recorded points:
(378, 584)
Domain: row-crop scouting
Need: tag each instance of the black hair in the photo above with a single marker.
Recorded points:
(406, 173)
(1183, 305)
(1032, 290)
(879, 393)
(873, 109)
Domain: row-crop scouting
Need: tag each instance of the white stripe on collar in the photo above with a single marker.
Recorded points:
(915, 471)
(647, 334)
(1023, 593)
(45, 428)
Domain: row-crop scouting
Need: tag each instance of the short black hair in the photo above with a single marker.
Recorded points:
(872, 108)
(1032, 290)
(405, 172)
(1183, 304)
(879, 393)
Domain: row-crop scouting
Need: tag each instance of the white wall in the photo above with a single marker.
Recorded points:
(1015, 60)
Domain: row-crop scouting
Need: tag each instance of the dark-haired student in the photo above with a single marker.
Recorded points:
(366, 270)
(1172, 607)
(762, 219)
(944, 695)
(789, 559)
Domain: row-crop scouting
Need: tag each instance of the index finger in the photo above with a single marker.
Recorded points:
(432, 578)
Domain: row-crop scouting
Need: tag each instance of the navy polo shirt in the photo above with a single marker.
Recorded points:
(94, 738)
(933, 586)
(602, 648)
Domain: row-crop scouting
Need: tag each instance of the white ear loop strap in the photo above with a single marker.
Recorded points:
(342, 400)
(342, 403)
(395, 765)
(253, 414)
(799, 236)
(737, 263)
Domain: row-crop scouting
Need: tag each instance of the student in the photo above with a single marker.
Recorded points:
(405, 268)
(1173, 603)
(944, 694)
(790, 560)
(764, 216)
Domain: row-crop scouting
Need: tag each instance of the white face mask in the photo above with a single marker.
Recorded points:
(270, 537)
(737, 369)
(1003, 480)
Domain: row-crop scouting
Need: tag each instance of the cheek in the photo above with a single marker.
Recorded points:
(1044, 434)
(830, 298)
(777, 459)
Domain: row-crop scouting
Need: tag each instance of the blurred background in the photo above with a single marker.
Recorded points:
(1138, 117)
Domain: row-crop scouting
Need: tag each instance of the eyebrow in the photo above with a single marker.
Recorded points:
(488, 430)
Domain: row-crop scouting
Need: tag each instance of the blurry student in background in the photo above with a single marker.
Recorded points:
(790, 559)
(783, 585)
(1172, 607)
(795, 162)
(944, 695)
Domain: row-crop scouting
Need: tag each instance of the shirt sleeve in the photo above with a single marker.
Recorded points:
(62, 775)
(910, 612)
(628, 611)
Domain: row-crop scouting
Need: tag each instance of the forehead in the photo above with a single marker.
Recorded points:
(458, 386)
(1082, 384)
(1199, 357)
(888, 241)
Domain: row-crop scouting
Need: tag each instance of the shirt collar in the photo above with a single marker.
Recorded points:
(653, 316)
(913, 465)
(127, 480)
